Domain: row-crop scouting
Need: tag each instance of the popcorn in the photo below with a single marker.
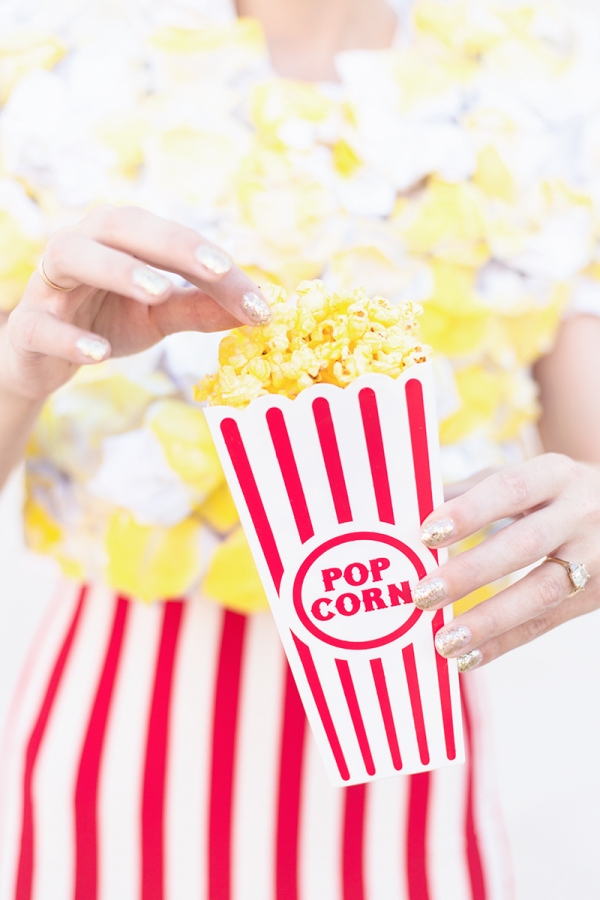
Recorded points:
(326, 337)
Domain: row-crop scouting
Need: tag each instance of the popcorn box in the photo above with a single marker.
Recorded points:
(331, 488)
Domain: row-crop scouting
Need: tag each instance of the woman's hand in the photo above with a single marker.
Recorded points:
(555, 503)
(115, 304)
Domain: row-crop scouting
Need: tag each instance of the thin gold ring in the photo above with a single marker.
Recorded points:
(50, 284)
(577, 572)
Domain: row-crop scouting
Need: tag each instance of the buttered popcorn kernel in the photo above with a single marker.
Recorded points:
(325, 337)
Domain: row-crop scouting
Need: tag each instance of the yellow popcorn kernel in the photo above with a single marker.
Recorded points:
(149, 562)
(480, 393)
(125, 135)
(19, 255)
(185, 438)
(327, 337)
(492, 175)
(21, 53)
(448, 222)
(219, 511)
(244, 31)
(283, 100)
(454, 319)
(345, 160)
(232, 579)
(43, 533)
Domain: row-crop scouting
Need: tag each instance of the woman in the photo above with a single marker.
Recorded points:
(159, 749)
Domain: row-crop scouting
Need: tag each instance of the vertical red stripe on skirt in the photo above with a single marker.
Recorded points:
(416, 849)
(86, 791)
(290, 783)
(225, 720)
(353, 842)
(476, 877)
(153, 798)
(27, 849)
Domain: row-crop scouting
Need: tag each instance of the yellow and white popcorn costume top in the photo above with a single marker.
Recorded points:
(459, 170)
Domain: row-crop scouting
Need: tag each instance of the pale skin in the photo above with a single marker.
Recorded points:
(554, 498)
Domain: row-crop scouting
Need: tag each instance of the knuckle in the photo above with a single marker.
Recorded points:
(550, 591)
(466, 571)
(564, 464)
(109, 220)
(528, 541)
(57, 251)
(172, 240)
(535, 628)
(516, 488)
(26, 327)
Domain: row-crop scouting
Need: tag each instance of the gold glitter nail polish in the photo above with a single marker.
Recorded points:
(150, 281)
(468, 661)
(436, 533)
(94, 349)
(429, 593)
(256, 308)
(214, 259)
(448, 642)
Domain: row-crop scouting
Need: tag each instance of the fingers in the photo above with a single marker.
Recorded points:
(570, 608)
(505, 494)
(514, 547)
(71, 260)
(192, 310)
(458, 488)
(35, 331)
(535, 595)
(175, 248)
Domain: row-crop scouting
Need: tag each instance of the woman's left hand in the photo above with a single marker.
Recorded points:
(556, 506)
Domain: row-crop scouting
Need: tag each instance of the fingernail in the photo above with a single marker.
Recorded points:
(151, 282)
(429, 593)
(437, 532)
(214, 259)
(93, 348)
(256, 308)
(468, 661)
(448, 642)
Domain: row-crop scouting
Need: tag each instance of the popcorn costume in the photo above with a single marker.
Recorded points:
(159, 749)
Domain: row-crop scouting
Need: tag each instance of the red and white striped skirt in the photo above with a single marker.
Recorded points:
(161, 753)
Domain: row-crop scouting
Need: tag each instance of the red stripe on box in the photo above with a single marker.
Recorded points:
(416, 843)
(353, 875)
(355, 714)
(157, 748)
(410, 666)
(314, 684)
(376, 451)
(290, 790)
(241, 464)
(86, 790)
(289, 471)
(27, 848)
(420, 449)
(225, 722)
(476, 876)
(443, 675)
(386, 711)
(332, 459)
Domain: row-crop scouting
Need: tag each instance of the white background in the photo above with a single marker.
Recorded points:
(545, 711)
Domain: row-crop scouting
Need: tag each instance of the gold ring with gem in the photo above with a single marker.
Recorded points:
(577, 572)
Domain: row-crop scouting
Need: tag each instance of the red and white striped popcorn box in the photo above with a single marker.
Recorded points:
(331, 488)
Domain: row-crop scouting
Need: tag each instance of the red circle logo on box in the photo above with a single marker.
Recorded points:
(353, 591)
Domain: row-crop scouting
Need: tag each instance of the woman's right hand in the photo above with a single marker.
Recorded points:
(115, 304)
